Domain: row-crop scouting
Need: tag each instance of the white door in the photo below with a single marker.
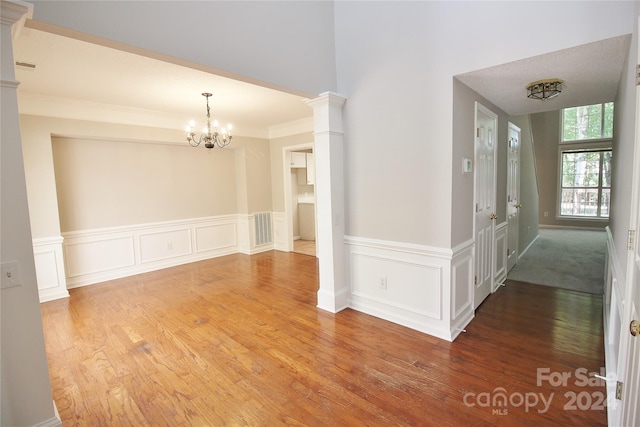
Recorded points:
(629, 350)
(513, 194)
(485, 201)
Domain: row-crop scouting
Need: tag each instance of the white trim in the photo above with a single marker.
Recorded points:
(51, 422)
(97, 255)
(500, 252)
(409, 248)
(425, 288)
(571, 227)
(562, 148)
(50, 270)
(528, 246)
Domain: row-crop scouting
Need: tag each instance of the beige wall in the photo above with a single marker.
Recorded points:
(110, 175)
(107, 183)
(546, 136)
(253, 163)
(463, 137)
(528, 216)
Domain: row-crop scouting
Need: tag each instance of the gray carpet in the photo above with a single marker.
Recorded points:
(568, 259)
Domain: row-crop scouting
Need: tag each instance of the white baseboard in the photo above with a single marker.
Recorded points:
(598, 227)
(521, 254)
(423, 288)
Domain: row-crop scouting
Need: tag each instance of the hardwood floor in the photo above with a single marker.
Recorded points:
(237, 340)
(306, 247)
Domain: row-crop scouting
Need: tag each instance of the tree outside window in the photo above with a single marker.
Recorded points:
(587, 122)
(586, 183)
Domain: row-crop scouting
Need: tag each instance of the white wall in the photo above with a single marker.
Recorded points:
(282, 44)
(25, 388)
(528, 216)
(395, 62)
(623, 138)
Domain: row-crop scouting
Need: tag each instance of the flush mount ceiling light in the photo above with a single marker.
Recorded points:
(210, 135)
(544, 89)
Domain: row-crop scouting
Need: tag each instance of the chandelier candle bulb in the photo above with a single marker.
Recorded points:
(210, 138)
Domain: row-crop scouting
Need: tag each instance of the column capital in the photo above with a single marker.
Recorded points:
(12, 11)
(327, 112)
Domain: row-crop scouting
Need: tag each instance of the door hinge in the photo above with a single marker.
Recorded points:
(618, 390)
(631, 240)
(475, 280)
(478, 129)
(638, 75)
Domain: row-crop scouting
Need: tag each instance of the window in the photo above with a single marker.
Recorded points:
(585, 183)
(587, 122)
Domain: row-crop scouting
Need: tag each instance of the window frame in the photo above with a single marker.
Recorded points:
(600, 145)
(589, 140)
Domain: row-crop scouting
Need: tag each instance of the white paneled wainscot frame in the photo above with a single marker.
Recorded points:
(50, 273)
(424, 288)
(93, 256)
(502, 242)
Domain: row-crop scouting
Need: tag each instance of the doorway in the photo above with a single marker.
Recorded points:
(300, 201)
(513, 194)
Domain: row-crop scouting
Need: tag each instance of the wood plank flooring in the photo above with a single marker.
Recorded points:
(237, 340)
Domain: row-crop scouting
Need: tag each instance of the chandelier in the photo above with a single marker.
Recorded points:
(544, 89)
(210, 135)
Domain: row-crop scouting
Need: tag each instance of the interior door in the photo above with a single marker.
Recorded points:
(485, 200)
(629, 350)
(513, 194)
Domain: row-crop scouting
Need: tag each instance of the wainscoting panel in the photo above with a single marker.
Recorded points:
(403, 283)
(501, 256)
(98, 255)
(249, 226)
(462, 280)
(50, 272)
(164, 244)
(215, 237)
(280, 231)
(406, 287)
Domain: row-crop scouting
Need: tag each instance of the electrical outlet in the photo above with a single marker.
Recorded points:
(383, 282)
(546, 214)
(170, 246)
(10, 274)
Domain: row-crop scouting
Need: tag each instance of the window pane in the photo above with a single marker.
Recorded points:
(606, 169)
(580, 169)
(569, 120)
(582, 194)
(604, 202)
(607, 132)
(586, 122)
(579, 202)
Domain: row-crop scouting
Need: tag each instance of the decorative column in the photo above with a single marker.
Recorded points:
(26, 389)
(334, 292)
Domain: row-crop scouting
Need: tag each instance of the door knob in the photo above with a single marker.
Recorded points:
(634, 328)
(493, 216)
(518, 206)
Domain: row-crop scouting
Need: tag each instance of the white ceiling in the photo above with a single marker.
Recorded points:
(77, 79)
(591, 74)
(82, 80)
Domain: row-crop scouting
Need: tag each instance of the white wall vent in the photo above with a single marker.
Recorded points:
(262, 221)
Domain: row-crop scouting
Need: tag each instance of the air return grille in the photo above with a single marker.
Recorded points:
(262, 222)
